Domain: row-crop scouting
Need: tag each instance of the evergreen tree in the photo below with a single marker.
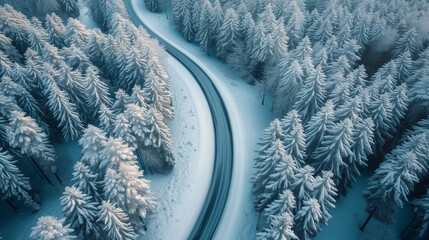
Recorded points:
(130, 191)
(303, 185)
(96, 91)
(381, 113)
(154, 5)
(50, 228)
(204, 26)
(307, 219)
(279, 227)
(324, 192)
(122, 99)
(115, 222)
(75, 33)
(93, 141)
(24, 133)
(318, 125)
(289, 84)
(106, 119)
(228, 34)
(407, 42)
(188, 28)
(312, 95)
(216, 17)
(334, 148)
(284, 203)
(157, 141)
(361, 148)
(12, 182)
(70, 7)
(86, 181)
(421, 209)
(80, 212)
(351, 109)
(399, 100)
(64, 111)
(122, 129)
(9, 49)
(114, 153)
(295, 144)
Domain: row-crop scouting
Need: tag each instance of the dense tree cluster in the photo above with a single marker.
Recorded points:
(108, 90)
(348, 79)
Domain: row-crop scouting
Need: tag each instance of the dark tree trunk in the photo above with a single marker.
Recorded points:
(10, 204)
(263, 96)
(36, 170)
(408, 226)
(41, 171)
(367, 220)
(58, 178)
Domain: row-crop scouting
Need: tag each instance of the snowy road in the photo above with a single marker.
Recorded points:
(215, 202)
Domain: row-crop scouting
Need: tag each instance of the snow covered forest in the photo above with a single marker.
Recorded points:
(105, 88)
(350, 83)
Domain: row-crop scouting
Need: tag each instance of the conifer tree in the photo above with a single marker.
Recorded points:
(334, 148)
(307, 219)
(228, 33)
(216, 17)
(122, 99)
(96, 91)
(106, 119)
(284, 203)
(12, 182)
(279, 227)
(312, 95)
(303, 185)
(122, 129)
(86, 181)
(407, 42)
(64, 111)
(92, 142)
(50, 228)
(324, 192)
(381, 113)
(116, 222)
(114, 153)
(289, 84)
(80, 212)
(317, 126)
(204, 26)
(24, 133)
(55, 30)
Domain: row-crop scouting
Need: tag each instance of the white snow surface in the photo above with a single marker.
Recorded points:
(248, 120)
(181, 193)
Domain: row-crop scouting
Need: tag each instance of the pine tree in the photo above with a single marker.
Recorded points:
(381, 113)
(122, 129)
(135, 116)
(50, 228)
(24, 133)
(204, 26)
(179, 7)
(75, 33)
(114, 153)
(157, 141)
(407, 42)
(70, 7)
(325, 192)
(94, 48)
(295, 28)
(358, 77)
(351, 109)
(55, 29)
(216, 17)
(130, 191)
(115, 222)
(312, 95)
(279, 227)
(228, 34)
(303, 185)
(362, 147)
(405, 66)
(317, 126)
(284, 203)
(133, 71)
(96, 91)
(334, 148)
(188, 28)
(122, 99)
(64, 111)
(307, 219)
(289, 84)
(71, 82)
(106, 119)
(399, 100)
(281, 177)
(295, 144)
(421, 209)
(12, 182)
(9, 49)
(93, 141)
(80, 212)
(86, 180)
(324, 32)
(153, 5)
(390, 185)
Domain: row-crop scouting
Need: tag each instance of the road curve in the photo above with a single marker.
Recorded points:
(217, 195)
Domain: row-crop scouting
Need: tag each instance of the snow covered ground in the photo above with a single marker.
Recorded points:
(181, 193)
(248, 120)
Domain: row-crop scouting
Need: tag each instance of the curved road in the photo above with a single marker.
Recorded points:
(214, 204)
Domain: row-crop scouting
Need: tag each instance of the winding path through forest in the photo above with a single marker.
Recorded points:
(217, 195)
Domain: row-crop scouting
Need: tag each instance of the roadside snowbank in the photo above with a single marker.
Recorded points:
(248, 119)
